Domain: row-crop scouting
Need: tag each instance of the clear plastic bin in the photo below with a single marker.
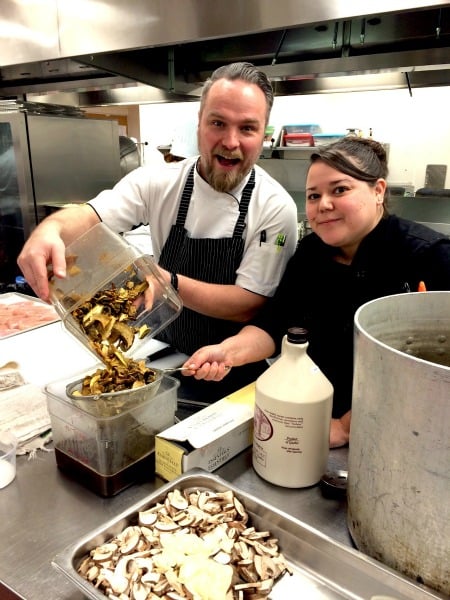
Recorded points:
(100, 260)
(302, 128)
(322, 139)
(109, 453)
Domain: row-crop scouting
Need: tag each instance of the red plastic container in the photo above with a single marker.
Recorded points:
(298, 139)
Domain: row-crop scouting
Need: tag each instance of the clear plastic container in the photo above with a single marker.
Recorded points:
(8, 447)
(321, 139)
(100, 260)
(110, 450)
(302, 128)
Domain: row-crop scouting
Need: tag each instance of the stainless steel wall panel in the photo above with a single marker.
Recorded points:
(36, 30)
(54, 160)
(131, 24)
(72, 159)
(28, 31)
(16, 123)
(173, 45)
(17, 214)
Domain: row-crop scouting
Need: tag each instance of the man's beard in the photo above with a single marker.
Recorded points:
(224, 182)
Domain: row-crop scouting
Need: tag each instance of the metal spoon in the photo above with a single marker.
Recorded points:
(173, 369)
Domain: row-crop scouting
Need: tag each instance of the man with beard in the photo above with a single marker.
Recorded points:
(222, 229)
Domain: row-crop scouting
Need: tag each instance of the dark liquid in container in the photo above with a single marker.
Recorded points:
(106, 485)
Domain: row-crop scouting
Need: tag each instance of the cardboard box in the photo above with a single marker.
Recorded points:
(209, 438)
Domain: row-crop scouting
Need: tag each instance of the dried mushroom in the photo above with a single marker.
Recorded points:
(107, 320)
(195, 545)
(116, 377)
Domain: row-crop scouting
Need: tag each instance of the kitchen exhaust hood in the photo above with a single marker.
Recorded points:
(134, 51)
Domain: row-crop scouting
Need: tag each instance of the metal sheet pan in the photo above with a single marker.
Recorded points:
(321, 567)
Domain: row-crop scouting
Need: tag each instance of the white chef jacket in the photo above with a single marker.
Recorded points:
(151, 195)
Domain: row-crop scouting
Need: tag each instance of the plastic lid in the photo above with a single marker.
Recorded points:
(297, 335)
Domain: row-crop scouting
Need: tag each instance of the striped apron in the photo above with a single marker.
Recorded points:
(213, 261)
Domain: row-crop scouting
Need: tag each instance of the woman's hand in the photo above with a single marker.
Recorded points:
(210, 363)
(340, 430)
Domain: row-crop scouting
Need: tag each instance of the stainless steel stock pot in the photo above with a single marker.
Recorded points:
(399, 453)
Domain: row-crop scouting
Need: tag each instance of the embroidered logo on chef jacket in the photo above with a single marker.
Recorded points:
(280, 241)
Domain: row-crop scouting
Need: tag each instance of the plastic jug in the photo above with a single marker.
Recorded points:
(293, 404)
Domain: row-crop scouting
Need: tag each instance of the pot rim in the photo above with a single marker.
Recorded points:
(426, 297)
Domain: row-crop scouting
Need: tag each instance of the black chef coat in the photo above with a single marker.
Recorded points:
(323, 295)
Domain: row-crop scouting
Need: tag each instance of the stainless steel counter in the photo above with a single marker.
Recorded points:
(42, 511)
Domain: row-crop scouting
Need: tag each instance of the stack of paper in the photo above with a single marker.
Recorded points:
(23, 411)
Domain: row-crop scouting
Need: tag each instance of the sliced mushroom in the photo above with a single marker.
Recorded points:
(166, 524)
(140, 590)
(240, 508)
(92, 573)
(248, 573)
(177, 500)
(151, 577)
(104, 552)
(119, 583)
(130, 542)
(84, 566)
(125, 567)
(147, 517)
(183, 518)
(177, 561)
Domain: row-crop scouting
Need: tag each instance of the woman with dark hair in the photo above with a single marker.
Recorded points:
(356, 252)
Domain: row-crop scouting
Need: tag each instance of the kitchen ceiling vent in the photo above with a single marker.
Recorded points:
(303, 48)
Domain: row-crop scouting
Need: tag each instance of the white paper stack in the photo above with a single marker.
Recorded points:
(23, 411)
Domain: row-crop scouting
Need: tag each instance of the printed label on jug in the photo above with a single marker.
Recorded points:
(291, 445)
(263, 429)
(263, 423)
(259, 455)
